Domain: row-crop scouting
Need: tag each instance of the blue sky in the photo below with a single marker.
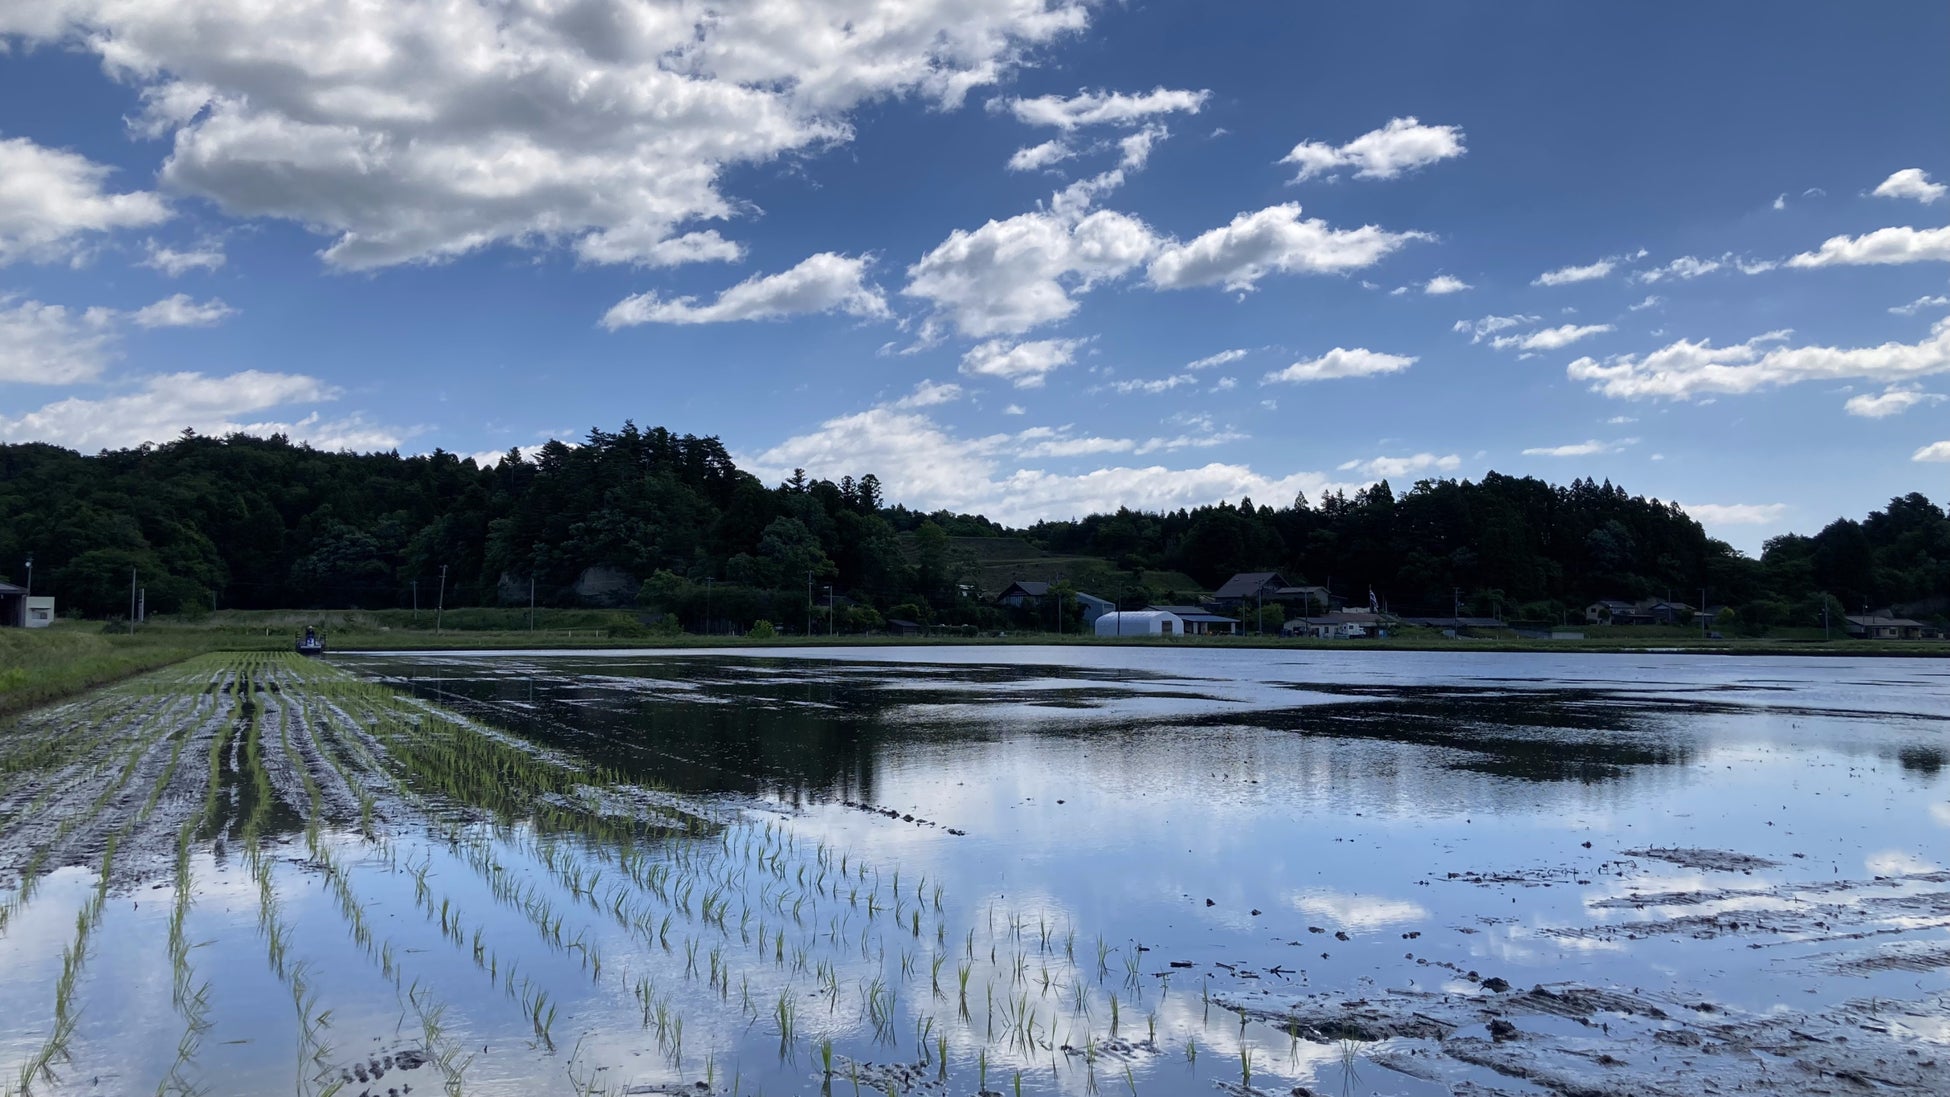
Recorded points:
(1027, 257)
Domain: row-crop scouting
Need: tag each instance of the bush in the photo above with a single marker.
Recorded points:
(762, 630)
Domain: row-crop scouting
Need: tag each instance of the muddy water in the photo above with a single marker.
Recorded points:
(1382, 873)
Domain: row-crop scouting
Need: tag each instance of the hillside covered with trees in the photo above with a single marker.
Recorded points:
(667, 522)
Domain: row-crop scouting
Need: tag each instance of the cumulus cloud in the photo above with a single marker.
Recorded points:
(173, 262)
(51, 200)
(1892, 401)
(164, 405)
(1581, 449)
(1910, 183)
(1383, 468)
(1686, 267)
(1038, 157)
(1403, 145)
(1736, 514)
(1341, 362)
(1023, 365)
(1219, 359)
(1104, 108)
(1935, 301)
(825, 282)
(930, 466)
(1590, 272)
(1652, 300)
(49, 345)
(1685, 369)
(180, 311)
(413, 132)
(1550, 338)
(1443, 283)
(1780, 201)
(1935, 451)
(1477, 329)
(1274, 239)
(1881, 247)
(1009, 276)
(928, 394)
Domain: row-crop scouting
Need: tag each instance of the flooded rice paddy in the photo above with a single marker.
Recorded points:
(966, 872)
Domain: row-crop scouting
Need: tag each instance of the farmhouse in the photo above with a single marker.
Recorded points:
(1198, 622)
(1883, 626)
(1023, 592)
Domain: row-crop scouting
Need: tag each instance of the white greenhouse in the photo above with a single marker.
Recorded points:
(1146, 622)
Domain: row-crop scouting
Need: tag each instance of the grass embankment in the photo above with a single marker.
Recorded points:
(42, 665)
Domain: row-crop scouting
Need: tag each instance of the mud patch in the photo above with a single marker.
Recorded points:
(1710, 860)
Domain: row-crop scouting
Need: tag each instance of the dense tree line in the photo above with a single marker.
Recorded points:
(667, 522)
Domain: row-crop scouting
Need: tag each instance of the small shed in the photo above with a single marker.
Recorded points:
(1094, 607)
(904, 628)
(1140, 622)
(13, 606)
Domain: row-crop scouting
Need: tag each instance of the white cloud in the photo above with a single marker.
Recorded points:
(1910, 183)
(1780, 201)
(1037, 157)
(48, 345)
(1921, 303)
(928, 466)
(928, 394)
(822, 283)
(1550, 338)
(1566, 275)
(1490, 324)
(1443, 283)
(1021, 364)
(1224, 384)
(50, 199)
(1686, 266)
(1253, 245)
(1219, 359)
(1736, 514)
(1935, 451)
(1751, 266)
(1403, 145)
(1076, 447)
(1015, 409)
(1621, 420)
(1883, 246)
(166, 404)
(421, 131)
(1104, 108)
(1892, 401)
(1013, 275)
(1152, 388)
(1341, 362)
(173, 262)
(179, 311)
(1814, 192)
(1384, 468)
(1652, 300)
(659, 251)
(1581, 449)
(1685, 369)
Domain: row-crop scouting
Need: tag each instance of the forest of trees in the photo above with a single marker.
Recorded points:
(669, 524)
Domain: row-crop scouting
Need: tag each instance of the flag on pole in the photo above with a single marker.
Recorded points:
(1373, 605)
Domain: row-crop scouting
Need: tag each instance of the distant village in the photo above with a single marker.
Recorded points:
(1238, 608)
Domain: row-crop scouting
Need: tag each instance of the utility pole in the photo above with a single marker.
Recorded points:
(709, 628)
(1702, 613)
(531, 603)
(1824, 617)
(440, 608)
(416, 602)
(30, 575)
(829, 611)
(809, 605)
(131, 601)
(1259, 615)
